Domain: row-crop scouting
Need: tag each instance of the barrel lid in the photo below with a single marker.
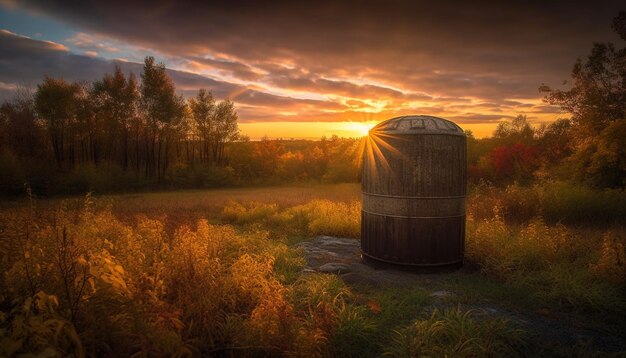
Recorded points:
(418, 124)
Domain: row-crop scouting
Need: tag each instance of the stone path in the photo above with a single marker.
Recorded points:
(342, 256)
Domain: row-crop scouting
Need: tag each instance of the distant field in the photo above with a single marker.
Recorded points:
(187, 206)
(180, 207)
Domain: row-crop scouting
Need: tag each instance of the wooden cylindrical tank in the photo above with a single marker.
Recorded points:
(413, 193)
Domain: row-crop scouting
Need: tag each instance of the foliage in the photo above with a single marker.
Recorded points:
(516, 162)
(34, 327)
(597, 103)
(135, 289)
(555, 264)
(318, 217)
(184, 285)
(612, 262)
(565, 202)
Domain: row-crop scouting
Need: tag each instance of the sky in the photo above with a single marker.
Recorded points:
(299, 69)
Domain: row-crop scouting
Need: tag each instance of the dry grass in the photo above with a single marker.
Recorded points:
(83, 282)
(185, 207)
(211, 272)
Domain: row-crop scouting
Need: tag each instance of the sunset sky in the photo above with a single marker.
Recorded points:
(305, 70)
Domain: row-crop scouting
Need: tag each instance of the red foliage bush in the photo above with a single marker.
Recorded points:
(517, 161)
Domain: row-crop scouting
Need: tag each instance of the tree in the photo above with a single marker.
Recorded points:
(19, 128)
(203, 110)
(596, 100)
(56, 104)
(225, 128)
(162, 109)
(516, 162)
(517, 130)
(115, 103)
(555, 140)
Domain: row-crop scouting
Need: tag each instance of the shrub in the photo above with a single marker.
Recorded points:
(247, 213)
(571, 203)
(318, 217)
(333, 218)
(554, 263)
(564, 202)
(612, 262)
(34, 328)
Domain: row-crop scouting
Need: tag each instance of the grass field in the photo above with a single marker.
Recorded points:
(215, 272)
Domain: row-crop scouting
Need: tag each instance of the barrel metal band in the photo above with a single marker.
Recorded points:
(414, 217)
(414, 197)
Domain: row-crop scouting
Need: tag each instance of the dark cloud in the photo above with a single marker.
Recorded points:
(25, 62)
(262, 99)
(481, 48)
(234, 68)
(343, 88)
(456, 58)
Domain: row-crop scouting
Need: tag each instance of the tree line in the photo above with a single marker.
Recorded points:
(122, 133)
(140, 126)
(119, 134)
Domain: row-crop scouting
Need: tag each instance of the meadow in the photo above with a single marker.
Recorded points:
(218, 273)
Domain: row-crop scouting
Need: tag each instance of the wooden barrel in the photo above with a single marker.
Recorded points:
(413, 192)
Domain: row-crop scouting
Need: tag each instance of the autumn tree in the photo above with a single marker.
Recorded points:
(19, 129)
(56, 104)
(596, 101)
(203, 111)
(555, 141)
(115, 101)
(514, 131)
(113, 126)
(163, 109)
(225, 128)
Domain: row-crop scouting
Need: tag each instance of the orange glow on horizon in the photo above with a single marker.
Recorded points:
(317, 130)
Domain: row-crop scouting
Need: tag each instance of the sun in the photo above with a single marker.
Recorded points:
(360, 129)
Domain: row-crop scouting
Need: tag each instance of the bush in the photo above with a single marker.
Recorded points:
(556, 264)
(571, 203)
(12, 176)
(135, 289)
(248, 213)
(318, 217)
(333, 218)
(563, 202)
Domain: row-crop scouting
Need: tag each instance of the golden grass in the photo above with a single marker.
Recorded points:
(211, 272)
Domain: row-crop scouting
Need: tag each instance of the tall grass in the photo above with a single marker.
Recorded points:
(318, 217)
(558, 265)
(457, 333)
(556, 202)
(83, 282)
(88, 279)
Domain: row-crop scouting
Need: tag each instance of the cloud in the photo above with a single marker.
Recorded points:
(447, 48)
(232, 68)
(474, 118)
(253, 97)
(343, 88)
(475, 62)
(91, 43)
(25, 61)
